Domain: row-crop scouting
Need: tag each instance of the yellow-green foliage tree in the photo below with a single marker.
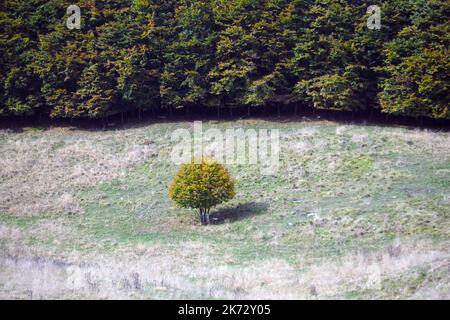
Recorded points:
(202, 185)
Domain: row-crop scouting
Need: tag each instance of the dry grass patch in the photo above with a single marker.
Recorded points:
(42, 172)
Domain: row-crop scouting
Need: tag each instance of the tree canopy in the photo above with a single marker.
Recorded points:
(144, 54)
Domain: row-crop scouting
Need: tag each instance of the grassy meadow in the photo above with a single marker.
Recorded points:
(355, 212)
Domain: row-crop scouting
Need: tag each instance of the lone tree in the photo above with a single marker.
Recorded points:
(201, 186)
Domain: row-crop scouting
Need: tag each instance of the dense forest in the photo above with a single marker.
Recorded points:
(172, 54)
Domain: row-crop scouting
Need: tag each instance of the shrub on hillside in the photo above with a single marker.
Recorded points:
(202, 185)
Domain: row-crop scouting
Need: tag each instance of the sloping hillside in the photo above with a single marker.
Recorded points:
(354, 212)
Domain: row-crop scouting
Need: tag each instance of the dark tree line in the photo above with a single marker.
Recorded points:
(148, 54)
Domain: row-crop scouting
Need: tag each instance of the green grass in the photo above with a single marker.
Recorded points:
(341, 192)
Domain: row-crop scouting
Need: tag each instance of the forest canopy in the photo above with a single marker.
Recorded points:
(144, 54)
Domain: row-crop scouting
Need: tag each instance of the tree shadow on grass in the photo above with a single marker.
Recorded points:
(240, 212)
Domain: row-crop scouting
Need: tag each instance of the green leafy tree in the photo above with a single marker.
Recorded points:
(19, 26)
(107, 67)
(330, 74)
(202, 186)
(252, 52)
(148, 54)
(190, 56)
(415, 78)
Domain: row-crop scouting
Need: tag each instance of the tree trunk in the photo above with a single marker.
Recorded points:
(207, 216)
(201, 217)
(204, 217)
